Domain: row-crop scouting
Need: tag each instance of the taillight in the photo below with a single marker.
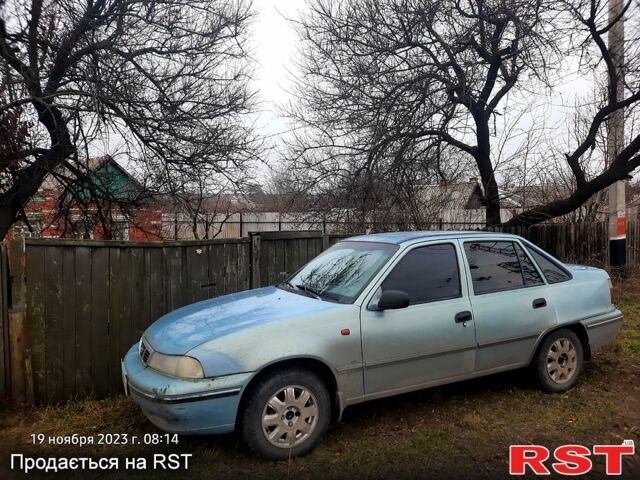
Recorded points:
(612, 293)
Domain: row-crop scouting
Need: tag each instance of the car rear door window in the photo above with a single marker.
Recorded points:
(427, 274)
(529, 272)
(494, 266)
(552, 272)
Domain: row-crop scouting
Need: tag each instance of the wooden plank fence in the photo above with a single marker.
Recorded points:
(88, 302)
(282, 253)
(586, 243)
(70, 309)
(4, 325)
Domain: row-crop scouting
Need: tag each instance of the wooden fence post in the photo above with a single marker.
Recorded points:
(17, 320)
(254, 262)
(325, 241)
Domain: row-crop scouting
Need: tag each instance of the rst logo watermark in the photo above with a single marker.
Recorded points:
(567, 459)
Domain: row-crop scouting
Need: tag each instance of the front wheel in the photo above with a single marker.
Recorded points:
(285, 414)
(558, 362)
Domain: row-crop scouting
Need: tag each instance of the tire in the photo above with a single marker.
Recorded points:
(293, 407)
(558, 361)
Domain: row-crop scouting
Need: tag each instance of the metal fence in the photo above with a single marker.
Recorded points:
(238, 225)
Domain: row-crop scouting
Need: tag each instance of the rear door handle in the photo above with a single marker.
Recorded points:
(539, 303)
(462, 317)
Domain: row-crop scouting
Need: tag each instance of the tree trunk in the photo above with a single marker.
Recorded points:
(557, 208)
(483, 161)
(30, 178)
(492, 199)
(26, 185)
(8, 216)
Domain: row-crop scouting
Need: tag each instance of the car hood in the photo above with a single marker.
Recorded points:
(183, 329)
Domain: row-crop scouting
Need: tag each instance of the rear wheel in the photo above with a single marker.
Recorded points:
(285, 414)
(558, 362)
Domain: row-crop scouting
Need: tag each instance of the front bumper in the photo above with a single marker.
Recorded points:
(185, 406)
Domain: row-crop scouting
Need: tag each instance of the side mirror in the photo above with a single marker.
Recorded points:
(392, 300)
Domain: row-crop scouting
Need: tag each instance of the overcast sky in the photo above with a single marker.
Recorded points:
(274, 46)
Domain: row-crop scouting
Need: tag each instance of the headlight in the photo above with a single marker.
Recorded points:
(176, 365)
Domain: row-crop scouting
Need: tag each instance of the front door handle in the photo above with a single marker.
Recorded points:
(539, 303)
(462, 317)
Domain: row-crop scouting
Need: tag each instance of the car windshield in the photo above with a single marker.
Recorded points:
(341, 272)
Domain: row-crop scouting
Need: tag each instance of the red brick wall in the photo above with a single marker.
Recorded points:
(145, 226)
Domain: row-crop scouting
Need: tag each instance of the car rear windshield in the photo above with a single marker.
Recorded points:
(342, 272)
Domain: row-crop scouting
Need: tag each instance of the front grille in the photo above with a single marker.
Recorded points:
(145, 351)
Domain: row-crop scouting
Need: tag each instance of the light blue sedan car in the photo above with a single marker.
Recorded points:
(373, 316)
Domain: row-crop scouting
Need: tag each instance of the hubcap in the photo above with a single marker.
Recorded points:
(290, 416)
(562, 360)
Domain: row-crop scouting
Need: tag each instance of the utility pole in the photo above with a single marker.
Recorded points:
(615, 143)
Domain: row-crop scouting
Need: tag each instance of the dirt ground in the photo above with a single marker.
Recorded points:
(458, 431)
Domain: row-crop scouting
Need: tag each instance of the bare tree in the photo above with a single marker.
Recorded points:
(532, 176)
(14, 133)
(165, 80)
(412, 197)
(201, 206)
(387, 82)
(106, 201)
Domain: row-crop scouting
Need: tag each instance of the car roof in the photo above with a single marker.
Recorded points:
(399, 238)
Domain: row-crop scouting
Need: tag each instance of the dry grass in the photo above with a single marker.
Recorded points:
(461, 430)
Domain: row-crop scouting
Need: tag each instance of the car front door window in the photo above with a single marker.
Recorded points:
(426, 274)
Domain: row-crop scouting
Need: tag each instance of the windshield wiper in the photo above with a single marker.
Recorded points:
(309, 290)
(288, 284)
(303, 288)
